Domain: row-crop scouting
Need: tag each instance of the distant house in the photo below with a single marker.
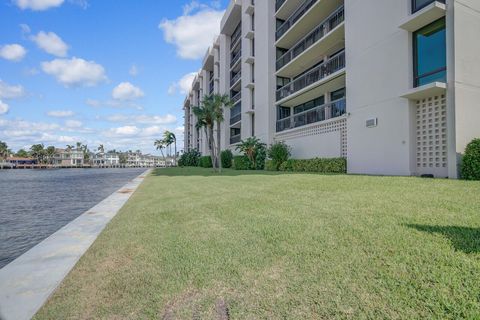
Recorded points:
(18, 161)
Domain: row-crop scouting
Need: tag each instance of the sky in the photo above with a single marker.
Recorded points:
(105, 72)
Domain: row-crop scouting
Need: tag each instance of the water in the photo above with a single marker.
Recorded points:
(36, 203)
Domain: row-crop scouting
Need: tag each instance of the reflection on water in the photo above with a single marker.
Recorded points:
(36, 203)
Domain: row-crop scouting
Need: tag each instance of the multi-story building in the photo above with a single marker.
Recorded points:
(69, 157)
(392, 85)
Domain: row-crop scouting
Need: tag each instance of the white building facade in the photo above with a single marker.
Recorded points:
(393, 86)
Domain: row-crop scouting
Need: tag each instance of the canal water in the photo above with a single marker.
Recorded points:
(36, 203)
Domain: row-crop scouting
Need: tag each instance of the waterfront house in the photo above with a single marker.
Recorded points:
(19, 161)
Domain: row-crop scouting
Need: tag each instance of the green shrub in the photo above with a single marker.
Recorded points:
(319, 165)
(260, 158)
(241, 163)
(226, 158)
(205, 162)
(190, 159)
(279, 152)
(471, 161)
(270, 165)
(255, 152)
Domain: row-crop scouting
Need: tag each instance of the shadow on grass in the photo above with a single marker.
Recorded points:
(463, 238)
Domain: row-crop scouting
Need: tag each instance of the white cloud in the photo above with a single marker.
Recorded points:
(38, 5)
(3, 107)
(13, 52)
(133, 71)
(51, 43)
(143, 119)
(194, 31)
(75, 72)
(60, 113)
(183, 85)
(11, 92)
(125, 131)
(126, 91)
(73, 124)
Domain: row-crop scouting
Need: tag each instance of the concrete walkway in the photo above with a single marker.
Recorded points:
(27, 282)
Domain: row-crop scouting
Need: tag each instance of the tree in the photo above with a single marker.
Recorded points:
(250, 148)
(79, 146)
(160, 145)
(206, 115)
(22, 153)
(86, 153)
(3, 150)
(69, 147)
(101, 148)
(170, 138)
(220, 102)
(50, 154)
(38, 152)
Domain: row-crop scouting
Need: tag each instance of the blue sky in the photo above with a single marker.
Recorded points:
(99, 71)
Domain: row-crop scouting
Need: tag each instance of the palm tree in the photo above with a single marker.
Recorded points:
(86, 153)
(160, 145)
(220, 102)
(101, 148)
(3, 150)
(206, 115)
(69, 148)
(250, 148)
(50, 153)
(79, 145)
(170, 138)
(38, 152)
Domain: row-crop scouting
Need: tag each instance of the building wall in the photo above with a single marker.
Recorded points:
(465, 76)
(379, 64)
(265, 113)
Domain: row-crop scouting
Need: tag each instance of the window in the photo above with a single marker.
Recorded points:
(430, 56)
(420, 4)
(337, 95)
(283, 112)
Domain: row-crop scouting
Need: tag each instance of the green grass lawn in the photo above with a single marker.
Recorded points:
(255, 245)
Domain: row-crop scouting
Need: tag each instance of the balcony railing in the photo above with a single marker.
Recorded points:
(235, 38)
(211, 87)
(279, 4)
(236, 97)
(294, 17)
(235, 78)
(235, 58)
(236, 114)
(313, 37)
(321, 113)
(235, 139)
(318, 73)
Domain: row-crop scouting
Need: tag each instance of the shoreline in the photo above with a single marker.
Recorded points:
(28, 281)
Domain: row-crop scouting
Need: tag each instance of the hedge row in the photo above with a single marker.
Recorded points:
(320, 165)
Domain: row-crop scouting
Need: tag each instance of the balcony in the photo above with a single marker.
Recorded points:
(235, 139)
(294, 18)
(305, 18)
(429, 13)
(235, 78)
(235, 58)
(334, 64)
(235, 119)
(329, 24)
(321, 113)
(237, 97)
(279, 4)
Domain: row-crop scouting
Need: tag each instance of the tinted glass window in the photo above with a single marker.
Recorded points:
(430, 54)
